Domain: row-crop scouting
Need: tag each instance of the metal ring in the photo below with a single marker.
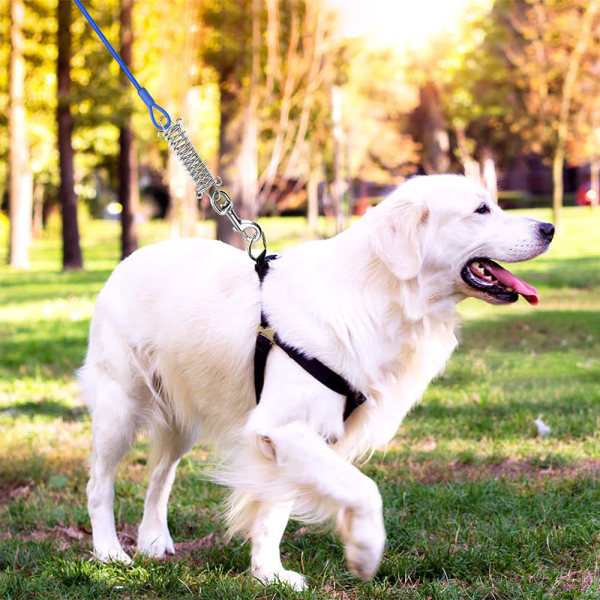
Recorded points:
(165, 121)
(245, 225)
(218, 208)
(264, 248)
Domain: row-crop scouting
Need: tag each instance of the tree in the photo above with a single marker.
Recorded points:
(20, 179)
(70, 230)
(477, 94)
(584, 146)
(269, 97)
(378, 102)
(548, 48)
(432, 130)
(225, 51)
(128, 180)
(248, 156)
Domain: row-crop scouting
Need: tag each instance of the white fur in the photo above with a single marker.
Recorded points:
(172, 343)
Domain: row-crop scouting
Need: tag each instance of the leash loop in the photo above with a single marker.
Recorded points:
(164, 120)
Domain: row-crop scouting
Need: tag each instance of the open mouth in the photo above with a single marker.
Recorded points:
(489, 277)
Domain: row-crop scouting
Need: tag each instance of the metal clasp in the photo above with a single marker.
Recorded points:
(223, 206)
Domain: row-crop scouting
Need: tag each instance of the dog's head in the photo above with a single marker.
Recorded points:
(446, 231)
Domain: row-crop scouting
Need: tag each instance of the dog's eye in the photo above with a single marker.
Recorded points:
(482, 209)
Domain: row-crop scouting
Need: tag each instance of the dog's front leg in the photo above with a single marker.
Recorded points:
(265, 536)
(309, 471)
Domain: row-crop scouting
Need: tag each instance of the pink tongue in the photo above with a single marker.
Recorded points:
(508, 279)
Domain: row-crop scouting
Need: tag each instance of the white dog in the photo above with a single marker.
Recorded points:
(172, 343)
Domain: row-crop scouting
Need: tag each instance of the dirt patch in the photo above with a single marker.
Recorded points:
(14, 489)
(127, 535)
(208, 541)
(64, 536)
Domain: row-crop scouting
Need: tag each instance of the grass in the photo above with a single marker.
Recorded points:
(476, 505)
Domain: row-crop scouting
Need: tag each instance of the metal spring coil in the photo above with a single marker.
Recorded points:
(183, 148)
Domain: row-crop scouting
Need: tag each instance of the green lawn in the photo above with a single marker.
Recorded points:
(476, 505)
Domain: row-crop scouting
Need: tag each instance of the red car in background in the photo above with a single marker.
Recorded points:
(585, 194)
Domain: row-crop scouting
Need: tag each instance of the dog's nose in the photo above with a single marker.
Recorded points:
(547, 231)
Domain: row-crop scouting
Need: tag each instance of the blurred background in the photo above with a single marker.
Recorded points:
(310, 111)
(304, 107)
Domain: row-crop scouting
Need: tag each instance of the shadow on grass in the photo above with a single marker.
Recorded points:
(583, 272)
(501, 413)
(45, 407)
(460, 378)
(19, 288)
(541, 331)
(49, 355)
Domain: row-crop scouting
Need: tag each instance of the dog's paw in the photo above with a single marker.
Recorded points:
(363, 559)
(155, 543)
(112, 554)
(364, 541)
(290, 578)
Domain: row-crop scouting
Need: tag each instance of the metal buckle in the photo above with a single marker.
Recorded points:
(267, 332)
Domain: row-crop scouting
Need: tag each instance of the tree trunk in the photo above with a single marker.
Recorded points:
(68, 201)
(128, 180)
(283, 134)
(128, 191)
(432, 124)
(337, 191)
(248, 159)
(313, 48)
(595, 181)
(489, 176)
(38, 209)
(273, 59)
(20, 179)
(558, 162)
(312, 199)
(184, 204)
(183, 211)
(227, 101)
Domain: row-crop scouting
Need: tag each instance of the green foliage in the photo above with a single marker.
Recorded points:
(500, 79)
(476, 505)
(481, 94)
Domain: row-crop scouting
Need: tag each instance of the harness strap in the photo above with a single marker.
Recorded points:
(323, 374)
(264, 342)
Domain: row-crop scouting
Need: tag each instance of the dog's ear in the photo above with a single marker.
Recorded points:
(395, 238)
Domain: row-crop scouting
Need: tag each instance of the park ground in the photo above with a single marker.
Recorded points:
(476, 504)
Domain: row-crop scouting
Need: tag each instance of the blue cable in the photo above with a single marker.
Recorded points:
(143, 92)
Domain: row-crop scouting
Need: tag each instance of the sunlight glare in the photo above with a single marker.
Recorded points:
(403, 24)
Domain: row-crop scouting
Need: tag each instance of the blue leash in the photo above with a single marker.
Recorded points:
(143, 92)
(174, 134)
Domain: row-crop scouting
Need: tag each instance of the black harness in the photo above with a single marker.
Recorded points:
(267, 337)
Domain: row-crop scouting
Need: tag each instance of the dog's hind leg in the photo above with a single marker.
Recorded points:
(168, 446)
(114, 426)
